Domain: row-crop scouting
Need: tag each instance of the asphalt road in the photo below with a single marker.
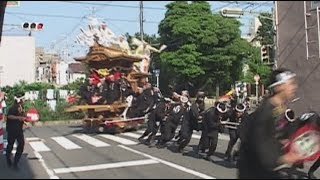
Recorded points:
(64, 151)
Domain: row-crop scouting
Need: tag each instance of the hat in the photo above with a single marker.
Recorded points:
(280, 76)
(240, 107)
(289, 114)
(222, 108)
(95, 78)
(200, 94)
(19, 98)
(185, 93)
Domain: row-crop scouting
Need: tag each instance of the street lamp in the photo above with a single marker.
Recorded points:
(238, 12)
(231, 12)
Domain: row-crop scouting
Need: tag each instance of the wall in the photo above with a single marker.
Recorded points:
(291, 52)
(17, 56)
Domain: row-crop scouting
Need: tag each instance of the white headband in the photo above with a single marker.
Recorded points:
(184, 99)
(282, 78)
(241, 110)
(288, 118)
(220, 110)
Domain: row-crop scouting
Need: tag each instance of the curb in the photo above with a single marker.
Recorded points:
(60, 122)
(68, 122)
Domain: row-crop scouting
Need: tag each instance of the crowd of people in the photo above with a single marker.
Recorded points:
(257, 142)
(258, 139)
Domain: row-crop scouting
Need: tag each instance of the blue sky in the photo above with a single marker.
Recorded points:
(61, 31)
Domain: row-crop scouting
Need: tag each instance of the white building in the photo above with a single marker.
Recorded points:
(253, 29)
(76, 71)
(17, 59)
(62, 73)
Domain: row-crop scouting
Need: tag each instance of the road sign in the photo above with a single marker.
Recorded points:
(13, 3)
(32, 115)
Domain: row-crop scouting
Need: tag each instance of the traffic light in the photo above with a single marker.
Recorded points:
(33, 26)
(231, 12)
(265, 58)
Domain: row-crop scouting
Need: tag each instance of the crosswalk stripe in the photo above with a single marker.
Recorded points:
(195, 136)
(91, 140)
(133, 135)
(142, 131)
(65, 143)
(118, 139)
(39, 146)
(5, 143)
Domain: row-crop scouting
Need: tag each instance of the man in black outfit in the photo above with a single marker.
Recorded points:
(211, 128)
(237, 115)
(15, 121)
(190, 120)
(260, 150)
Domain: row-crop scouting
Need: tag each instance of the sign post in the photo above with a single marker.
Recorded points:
(257, 78)
(157, 73)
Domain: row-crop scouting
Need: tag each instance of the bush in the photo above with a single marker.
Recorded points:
(46, 114)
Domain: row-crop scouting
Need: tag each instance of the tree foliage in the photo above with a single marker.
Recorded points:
(266, 32)
(204, 49)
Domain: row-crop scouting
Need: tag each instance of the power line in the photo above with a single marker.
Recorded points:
(74, 17)
(112, 5)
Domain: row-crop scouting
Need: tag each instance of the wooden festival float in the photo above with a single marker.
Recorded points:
(108, 54)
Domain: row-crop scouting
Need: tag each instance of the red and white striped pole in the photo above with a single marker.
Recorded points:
(1, 129)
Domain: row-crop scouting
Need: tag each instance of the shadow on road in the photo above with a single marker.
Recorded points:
(24, 172)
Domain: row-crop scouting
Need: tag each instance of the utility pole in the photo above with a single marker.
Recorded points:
(141, 20)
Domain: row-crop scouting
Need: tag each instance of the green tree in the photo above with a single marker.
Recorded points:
(257, 67)
(203, 48)
(266, 32)
(265, 35)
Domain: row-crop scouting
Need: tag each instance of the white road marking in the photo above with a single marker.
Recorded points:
(195, 136)
(129, 134)
(141, 131)
(65, 143)
(5, 144)
(90, 140)
(118, 139)
(49, 171)
(29, 139)
(176, 166)
(39, 146)
(105, 166)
